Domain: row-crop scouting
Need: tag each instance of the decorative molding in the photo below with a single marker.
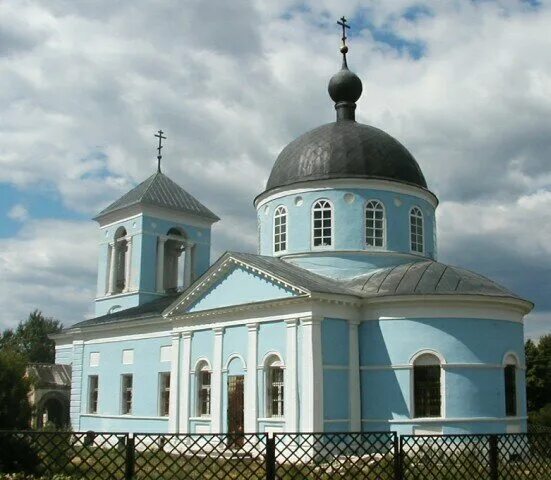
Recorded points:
(343, 184)
(444, 420)
(446, 366)
(233, 356)
(126, 417)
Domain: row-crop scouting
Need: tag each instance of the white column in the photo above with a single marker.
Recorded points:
(174, 384)
(188, 264)
(216, 387)
(251, 394)
(160, 264)
(111, 282)
(354, 376)
(128, 264)
(186, 374)
(312, 408)
(291, 378)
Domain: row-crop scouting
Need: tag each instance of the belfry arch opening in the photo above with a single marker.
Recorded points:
(174, 261)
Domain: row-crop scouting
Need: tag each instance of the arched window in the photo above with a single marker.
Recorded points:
(322, 224)
(510, 378)
(120, 246)
(203, 375)
(416, 230)
(374, 224)
(427, 386)
(275, 400)
(280, 229)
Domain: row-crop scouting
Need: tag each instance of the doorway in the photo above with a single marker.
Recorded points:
(235, 413)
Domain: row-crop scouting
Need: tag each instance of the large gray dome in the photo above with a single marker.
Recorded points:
(345, 149)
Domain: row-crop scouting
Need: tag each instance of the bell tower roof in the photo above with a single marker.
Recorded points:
(159, 190)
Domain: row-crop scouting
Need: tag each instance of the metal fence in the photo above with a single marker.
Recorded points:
(283, 456)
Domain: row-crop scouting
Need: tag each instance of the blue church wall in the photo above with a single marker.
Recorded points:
(335, 359)
(239, 287)
(349, 220)
(469, 391)
(145, 369)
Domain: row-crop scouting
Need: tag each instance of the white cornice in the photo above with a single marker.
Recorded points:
(344, 183)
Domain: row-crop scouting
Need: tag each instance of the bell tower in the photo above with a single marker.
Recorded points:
(154, 242)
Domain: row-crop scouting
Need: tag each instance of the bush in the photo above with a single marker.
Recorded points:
(17, 455)
(541, 417)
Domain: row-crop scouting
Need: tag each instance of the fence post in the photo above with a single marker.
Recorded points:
(129, 459)
(494, 460)
(398, 466)
(270, 457)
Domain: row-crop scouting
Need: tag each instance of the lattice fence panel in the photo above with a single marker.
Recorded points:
(335, 456)
(524, 456)
(79, 455)
(197, 456)
(449, 457)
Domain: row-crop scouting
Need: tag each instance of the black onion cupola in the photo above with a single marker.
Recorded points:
(345, 148)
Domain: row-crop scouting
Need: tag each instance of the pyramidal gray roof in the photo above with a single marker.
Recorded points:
(160, 191)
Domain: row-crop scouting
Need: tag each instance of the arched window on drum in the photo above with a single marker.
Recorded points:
(375, 224)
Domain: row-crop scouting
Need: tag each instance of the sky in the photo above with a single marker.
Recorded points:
(465, 85)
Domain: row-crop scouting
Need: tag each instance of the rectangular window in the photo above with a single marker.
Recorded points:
(426, 391)
(164, 394)
(204, 393)
(94, 359)
(510, 391)
(126, 394)
(275, 392)
(128, 357)
(93, 393)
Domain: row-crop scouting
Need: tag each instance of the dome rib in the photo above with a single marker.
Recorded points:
(345, 149)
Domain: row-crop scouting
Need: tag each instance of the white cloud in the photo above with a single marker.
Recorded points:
(83, 87)
(18, 212)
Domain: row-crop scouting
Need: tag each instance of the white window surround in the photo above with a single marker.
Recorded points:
(428, 357)
(416, 215)
(281, 237)
(271, 360)
(374, 205)
(165, 353)
(325, 206)
(233, 356)
(94, 359)
(202, 365)
(128, 356)
(511, 358)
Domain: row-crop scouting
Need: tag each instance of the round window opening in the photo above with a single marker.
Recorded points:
(298, 201)
(349, 198)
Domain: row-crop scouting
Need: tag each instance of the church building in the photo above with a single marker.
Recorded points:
(343, 321)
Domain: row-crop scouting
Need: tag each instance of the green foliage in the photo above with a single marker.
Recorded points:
(541, 417)
(538, 373)
(31, 338)
(15, 410)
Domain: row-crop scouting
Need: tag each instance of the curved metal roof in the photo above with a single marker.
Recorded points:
(345, 149)
(426, 278)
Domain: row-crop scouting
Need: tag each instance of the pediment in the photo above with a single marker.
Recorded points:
(232, 282)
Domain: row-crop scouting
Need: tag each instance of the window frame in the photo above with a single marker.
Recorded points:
(312, 228)
(511, 360)
(276, 216)
(422, 359)
(93, 395)
(203, 367)
(410, 223)
(164, 390)
(384, 237)
(125, 403)
(273, 361)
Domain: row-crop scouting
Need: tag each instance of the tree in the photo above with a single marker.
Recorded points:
(30, 338)
(15, 410)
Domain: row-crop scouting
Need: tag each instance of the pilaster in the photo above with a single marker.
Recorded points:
(185, 379)
(76, 384)
(312, 415)
(160, 264)
(291, 377)
(128, 264)
(216, 387)
(173, 418)
(251, 394)
(354, 376)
